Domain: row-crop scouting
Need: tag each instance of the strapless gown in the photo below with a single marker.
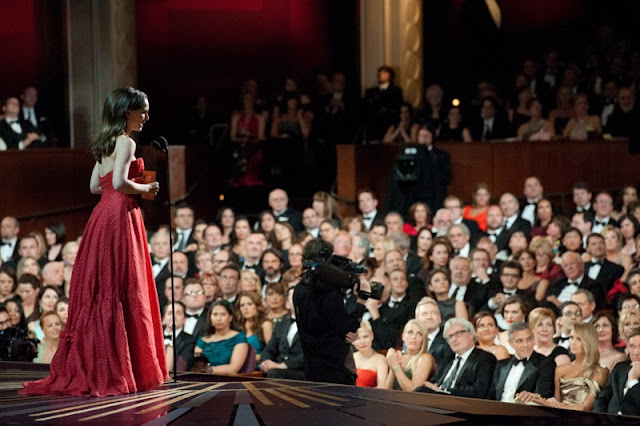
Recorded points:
(113, 341)
(576, 390)
(366, 378)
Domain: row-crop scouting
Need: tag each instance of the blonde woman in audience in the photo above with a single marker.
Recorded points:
(613, 243)
(212, 290)
(69, 253)
(542, 322)
(546, 268)
(28, 265)
(577, 384)
(51, 326)
(250, 281)
(582, 126)
(409, 370)
(629, 319)
(371, 367)
(42, 243)
(380, 250)
(487, 330)
(295, 257)
(290, 279)
(607, 339)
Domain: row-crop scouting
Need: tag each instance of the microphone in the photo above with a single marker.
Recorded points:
(161, 144)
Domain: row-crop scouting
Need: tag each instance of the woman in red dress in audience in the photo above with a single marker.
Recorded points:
(478, 210)
(371, 367)
(113, 341)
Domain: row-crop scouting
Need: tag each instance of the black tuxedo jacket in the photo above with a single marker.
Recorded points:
(609, 272)
(502, 239)
(414, 264)
(537, 377)
(475, 297)
(475, 230)
(15, 256)
(501, 129)
(294, 217)
(416, 289)
(474, 378)
(587, 283)
(387, 329)
(611, 399)
(199, 330)
(13, 139)
(185, 343)
(44, 126)
(439, 348)
(519, 224)
(160, 279)
(278, 349)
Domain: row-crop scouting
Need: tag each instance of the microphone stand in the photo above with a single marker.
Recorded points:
(162, 145)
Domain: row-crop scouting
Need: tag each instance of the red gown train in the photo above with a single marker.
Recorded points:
(113, 341)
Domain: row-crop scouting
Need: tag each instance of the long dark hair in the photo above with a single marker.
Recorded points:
(114, 119)
(210, 330)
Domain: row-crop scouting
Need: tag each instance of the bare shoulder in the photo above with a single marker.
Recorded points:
(426, 358)
(562, 370)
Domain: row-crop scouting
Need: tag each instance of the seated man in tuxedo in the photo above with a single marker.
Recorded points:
(15, 133)
(469, 373)
(254, 245)
(311, 222)
(533, 192)
(570, 315)
(428, 313)
(184, 343)
(511, 211)
(599, 268)
(583, 222)
(273, 264)
(279, 203)
(31, 111)
(388, 320)
(562, 290)
(585, 300)
(495, 264)
(459, 236)
(454, 204)
(481, 265)
(194, 301)
(178, 290)
(603, 207)
(28, 247)
(229, 283)
(463, 288)
(622, 393)
(413, 261)
(582, 198)
(9, 230)
(496, 230)
(160, 251)
(184, 220)
(368, 206)
(394, 260)
(492, 124)
(282, 357)
(499, 292)
(526, 374)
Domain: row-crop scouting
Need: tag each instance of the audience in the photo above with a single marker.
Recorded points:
(408, 371)
(371, 367)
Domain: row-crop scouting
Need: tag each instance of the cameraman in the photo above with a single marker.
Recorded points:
(326, 330)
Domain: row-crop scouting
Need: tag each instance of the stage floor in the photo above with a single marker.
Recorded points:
(197, 399)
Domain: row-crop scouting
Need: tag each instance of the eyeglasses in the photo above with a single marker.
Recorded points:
(194, 293)
(572, 314)
(455, 335)
(6, 322)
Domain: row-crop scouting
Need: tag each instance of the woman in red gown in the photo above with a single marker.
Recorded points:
(113, 342)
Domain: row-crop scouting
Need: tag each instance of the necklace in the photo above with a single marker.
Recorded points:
(367, 357)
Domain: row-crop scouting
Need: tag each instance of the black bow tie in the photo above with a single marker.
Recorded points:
(367, 217)
(598, 262)
(168, 336)
(531, 203)
(155, 262)
(196, 316)
(574, 283)
(597, 222)
(5, 243)
(517, 361)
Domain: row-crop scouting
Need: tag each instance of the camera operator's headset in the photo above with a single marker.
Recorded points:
(323, 255)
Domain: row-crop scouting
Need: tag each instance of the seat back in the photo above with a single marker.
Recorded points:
(250, 363)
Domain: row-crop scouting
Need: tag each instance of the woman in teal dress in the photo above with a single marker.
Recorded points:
(251, 318)
(225, 349)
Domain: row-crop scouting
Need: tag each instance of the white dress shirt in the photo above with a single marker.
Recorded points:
(511, 384)
(190, 323)
(6, 251)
